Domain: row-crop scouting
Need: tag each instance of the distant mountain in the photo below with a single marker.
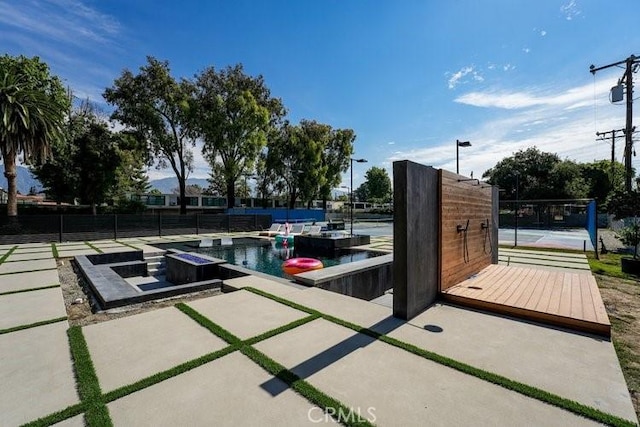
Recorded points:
(167, 185)
(26, 180)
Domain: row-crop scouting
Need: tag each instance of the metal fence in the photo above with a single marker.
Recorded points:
(62, 228)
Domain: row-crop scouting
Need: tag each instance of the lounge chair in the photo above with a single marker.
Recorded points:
(273, 230)
(314, 229)
(296, 229)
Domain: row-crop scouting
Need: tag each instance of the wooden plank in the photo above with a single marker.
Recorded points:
(545, 298)
(556, 293)
(588, 303)
(576, 297)
(565, 297)
(536, 291)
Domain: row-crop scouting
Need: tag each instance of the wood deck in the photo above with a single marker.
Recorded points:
(568, 299)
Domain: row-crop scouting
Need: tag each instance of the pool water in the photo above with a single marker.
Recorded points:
(268, 258)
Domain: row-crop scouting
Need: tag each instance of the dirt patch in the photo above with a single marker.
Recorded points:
(83, 309)
(622, 300)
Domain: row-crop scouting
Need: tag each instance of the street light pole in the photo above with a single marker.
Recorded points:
(458, 145)
(351, 198)
(515, 244)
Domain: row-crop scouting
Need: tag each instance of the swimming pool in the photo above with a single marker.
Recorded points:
(264, 256)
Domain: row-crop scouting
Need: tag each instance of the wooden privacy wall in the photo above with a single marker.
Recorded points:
(460, 201)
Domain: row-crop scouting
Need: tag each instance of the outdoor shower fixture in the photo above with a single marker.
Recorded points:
(465, 246)
(470, 179)
(487, 237)
(462, 229)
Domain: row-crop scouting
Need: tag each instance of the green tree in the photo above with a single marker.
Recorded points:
(84, 165)
(540, 176)
(336, 158)
(97, 159)
(157, 107)
(130, 172)
(376, 187)
(32, 105)
(235, 115)
(600, 179)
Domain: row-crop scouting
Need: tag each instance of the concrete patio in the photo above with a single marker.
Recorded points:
(384, 383)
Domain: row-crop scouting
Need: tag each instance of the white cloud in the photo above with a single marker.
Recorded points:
(543, 33)
(562, 123)
(570, 10)
(581, 96)
(459, 76)
(391, 142)
(508, 67)
(526, 50)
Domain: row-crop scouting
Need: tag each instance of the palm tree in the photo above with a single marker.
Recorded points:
(32, 112)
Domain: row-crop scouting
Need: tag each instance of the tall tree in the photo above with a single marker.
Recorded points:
(33, 105)
(539, 175)
(603, 179)
(85, 165)
(377, 186)
(97, 159)
(235, 116)
(157, 107)
(336, 158)
(309, 158)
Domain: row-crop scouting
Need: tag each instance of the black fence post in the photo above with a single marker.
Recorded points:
(229, 223)
(197, 223)
(115, 226)
(159, 225)
(255, 222)
(60, 230)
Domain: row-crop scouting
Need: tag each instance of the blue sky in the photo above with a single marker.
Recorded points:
(410, 77)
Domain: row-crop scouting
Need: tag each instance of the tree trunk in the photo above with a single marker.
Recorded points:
(94, 209)
(182, 183)
(324, 203)
(231, 194)
(12, 190)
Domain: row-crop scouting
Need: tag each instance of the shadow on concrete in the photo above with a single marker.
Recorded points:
(331, 355)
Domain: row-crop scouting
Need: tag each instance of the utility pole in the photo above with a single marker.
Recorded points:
(603, 137)
(630, 67)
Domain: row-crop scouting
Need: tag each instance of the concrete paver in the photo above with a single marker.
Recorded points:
(117, 249)
(354, 310)
(29, 256)
(22, 250)
(25, 308)
(271, 286)
(32, 245)
(71, 245)
(245, 314)
(29, 280)
(579, 367)
(75, 252)
(36, 374)
(39, 264)
(77, 421)
(225, 392)
(131, 348)
(361, 373)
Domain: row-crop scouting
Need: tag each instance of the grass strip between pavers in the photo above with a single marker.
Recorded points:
(330, 405)
(54, 250)
(5, 256)
(518, 387)
(96, 413)
(32, 325)
(19, 291)
(95, 248)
